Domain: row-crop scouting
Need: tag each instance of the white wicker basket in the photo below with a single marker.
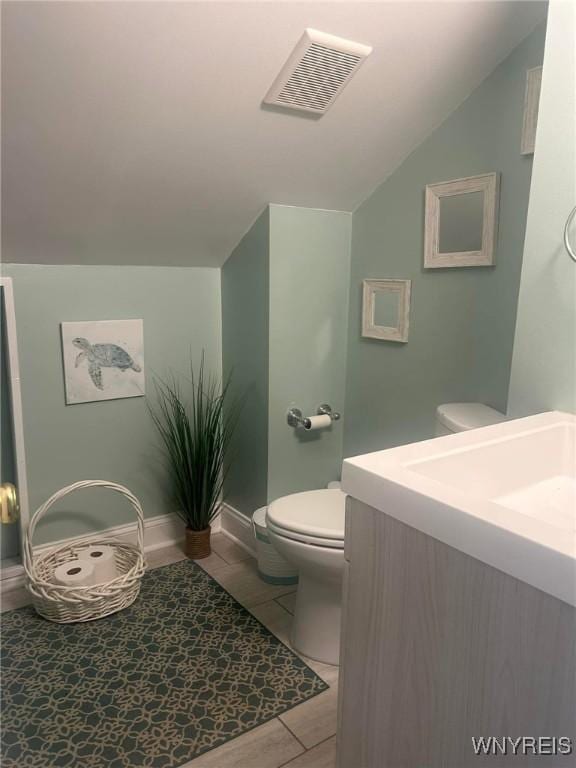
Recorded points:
(70, 604)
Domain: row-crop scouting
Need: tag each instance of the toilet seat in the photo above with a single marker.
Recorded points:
(305, 539)
(312, 517)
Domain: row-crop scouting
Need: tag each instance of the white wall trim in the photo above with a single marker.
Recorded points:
(17, 412)
(159, 531)
(238, 528)
(12, 578)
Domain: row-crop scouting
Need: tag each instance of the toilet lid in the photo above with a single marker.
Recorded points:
(315, 516)
(459, 417)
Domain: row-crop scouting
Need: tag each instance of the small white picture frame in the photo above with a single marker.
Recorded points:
(103, 360)
(396, 325)
(482, 255)
(531, 102)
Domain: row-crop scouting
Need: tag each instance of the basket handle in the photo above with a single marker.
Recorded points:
(27, 550)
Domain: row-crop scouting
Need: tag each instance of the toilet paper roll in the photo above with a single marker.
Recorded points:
(317, 422)
(103, 560)
(74, 573)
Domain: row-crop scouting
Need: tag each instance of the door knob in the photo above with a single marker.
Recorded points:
(9, 505)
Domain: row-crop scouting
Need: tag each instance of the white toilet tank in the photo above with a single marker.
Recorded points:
(459, 417)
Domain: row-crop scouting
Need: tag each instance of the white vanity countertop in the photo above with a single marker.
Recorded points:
(504, 494)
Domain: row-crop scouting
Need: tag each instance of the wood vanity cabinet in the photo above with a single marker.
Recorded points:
(438, 648)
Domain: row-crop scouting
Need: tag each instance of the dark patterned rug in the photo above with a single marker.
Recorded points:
(180, 672)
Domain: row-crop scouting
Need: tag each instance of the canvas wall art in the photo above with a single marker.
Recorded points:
(103, 360)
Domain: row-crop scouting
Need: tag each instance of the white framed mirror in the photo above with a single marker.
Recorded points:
(386, 309)
(530, 117)
(460, 222)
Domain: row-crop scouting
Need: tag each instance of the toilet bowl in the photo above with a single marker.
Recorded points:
(307, 529)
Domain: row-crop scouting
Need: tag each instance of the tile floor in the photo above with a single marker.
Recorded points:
(303, 737)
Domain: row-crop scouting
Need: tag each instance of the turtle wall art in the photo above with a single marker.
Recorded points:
(103, 360)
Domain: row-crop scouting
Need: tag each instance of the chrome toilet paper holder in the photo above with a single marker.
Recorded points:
(296, 419)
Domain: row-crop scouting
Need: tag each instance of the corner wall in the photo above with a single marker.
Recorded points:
(284, 318)
(309, 280)
(462, 320)
(245, 359)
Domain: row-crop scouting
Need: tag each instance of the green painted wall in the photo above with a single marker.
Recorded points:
(544, 363)
(245, 300)
(113, 440)
(284, 318)
(462, 320)
(309, 280)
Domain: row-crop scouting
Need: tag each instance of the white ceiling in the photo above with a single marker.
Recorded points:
(133, 133)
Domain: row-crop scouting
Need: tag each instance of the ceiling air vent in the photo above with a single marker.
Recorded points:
(317, 71)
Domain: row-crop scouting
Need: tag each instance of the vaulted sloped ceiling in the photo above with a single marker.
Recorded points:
(133, 132)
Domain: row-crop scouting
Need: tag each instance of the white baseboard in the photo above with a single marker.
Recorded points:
(12, 578)
(160, 531)
(238, 528)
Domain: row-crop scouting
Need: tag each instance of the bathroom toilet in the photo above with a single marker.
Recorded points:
(459, 417)
(308, 530)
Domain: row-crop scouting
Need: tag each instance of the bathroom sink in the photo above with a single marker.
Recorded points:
(504, 494)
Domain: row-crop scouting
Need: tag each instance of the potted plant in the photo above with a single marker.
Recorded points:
(195, 429)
